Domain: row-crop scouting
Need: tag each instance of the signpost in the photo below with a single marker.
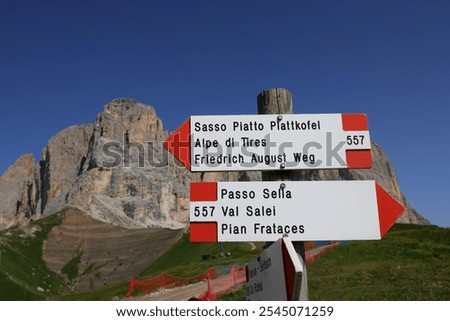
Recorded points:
(276, 275)
(303, 210)
(272, 142)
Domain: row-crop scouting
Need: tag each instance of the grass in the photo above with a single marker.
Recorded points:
(117, 290)
(23, 273)
(411, 262)
(71, 267)
(184, 259)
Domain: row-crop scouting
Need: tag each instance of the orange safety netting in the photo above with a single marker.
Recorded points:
(314, 254)
(216, 286)
(165, 281)
(222, 285)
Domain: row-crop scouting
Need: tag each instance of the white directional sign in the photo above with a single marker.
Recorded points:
(277, 274)
(270, 142)
(306, 210)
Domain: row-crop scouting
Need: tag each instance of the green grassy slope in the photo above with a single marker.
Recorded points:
(23, 273)
(185, 258)
(411, 262)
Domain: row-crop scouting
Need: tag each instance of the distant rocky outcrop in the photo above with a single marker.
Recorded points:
(117, 171)
(19, 191)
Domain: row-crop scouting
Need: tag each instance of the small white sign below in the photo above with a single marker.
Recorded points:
(277, 274)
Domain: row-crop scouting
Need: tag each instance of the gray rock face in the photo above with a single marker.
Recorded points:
(126, 177)
(118, 172)
(19, 192)
(61, 164)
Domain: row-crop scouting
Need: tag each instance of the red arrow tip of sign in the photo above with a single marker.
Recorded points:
(389, 210)
(179, 144)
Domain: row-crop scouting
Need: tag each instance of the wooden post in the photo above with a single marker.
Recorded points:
(278, 101)
(275, 101)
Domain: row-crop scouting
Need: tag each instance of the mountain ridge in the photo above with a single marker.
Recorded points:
(117, 171)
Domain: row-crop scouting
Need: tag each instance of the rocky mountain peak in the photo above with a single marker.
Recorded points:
(20, 168)
(117, 171)
(127, 122)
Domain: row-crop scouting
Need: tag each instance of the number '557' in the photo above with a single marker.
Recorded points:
(355, 139)
(204, 211)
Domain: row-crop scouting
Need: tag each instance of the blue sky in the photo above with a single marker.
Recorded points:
(61, 61)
